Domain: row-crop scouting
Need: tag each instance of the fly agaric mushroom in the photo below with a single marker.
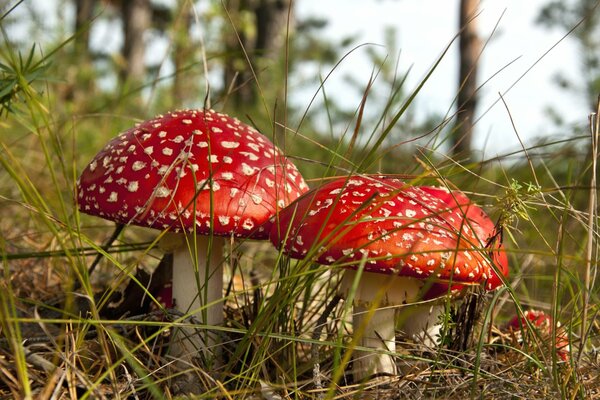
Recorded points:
(543, 323)
(407, 239)
(481, 224)
(195, 171)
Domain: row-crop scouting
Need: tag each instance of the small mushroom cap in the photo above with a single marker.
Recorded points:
(399, 229)
(543, 323)
(190, 169)
(538, 318)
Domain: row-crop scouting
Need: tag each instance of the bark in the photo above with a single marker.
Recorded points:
(261, 40)
(470, 49)
(183, 54)
(137, 16)
(84, 11)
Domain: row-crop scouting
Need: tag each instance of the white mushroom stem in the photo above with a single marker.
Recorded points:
(377, 328)
(198, 287)
(378, 333)
(421, 323)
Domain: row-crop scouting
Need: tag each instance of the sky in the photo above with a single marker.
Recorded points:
(425, 28)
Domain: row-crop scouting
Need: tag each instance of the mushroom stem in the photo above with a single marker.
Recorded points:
(421, 323)
(378, 329)
(378, 334)
(198, 286)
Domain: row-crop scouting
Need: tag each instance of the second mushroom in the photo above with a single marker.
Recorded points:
(411, 243)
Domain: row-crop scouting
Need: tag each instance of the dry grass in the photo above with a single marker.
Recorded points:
(68, 358)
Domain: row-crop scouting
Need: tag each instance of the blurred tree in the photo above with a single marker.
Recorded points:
(84, 11)
(137, 16)
(184, 52)
(583, 17)
(256, 30)
(469, 52)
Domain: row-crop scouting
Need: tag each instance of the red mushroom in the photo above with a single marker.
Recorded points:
(406, 239)
(483, 227)
(195, 171)
(543, 323)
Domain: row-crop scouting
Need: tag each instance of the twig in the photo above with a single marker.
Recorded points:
(594, 132)
(105, 247)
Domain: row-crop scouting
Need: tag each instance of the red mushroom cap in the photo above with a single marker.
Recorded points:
(539, 319)
(543, 322)
(483, 227)
(400, 229)
(163, 173)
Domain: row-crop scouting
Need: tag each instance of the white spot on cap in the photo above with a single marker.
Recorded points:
(138, 165)
(227, 176)
(186, 121)
(93, 165)
(248, 224)
(230, 145)
(233, 192)
(386, 213)
(256, 198)
(269, 182)
(410, 213)
(213, 158)
(347, 252)
(202, 144)
(162, 191)
(224, 219)
(227, 159)
(167, 151)
(113, 197)
(133, 186)
(251, 156)
(178, 139)
(247, 170)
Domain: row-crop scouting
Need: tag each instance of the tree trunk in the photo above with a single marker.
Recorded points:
(137, 16)
(261, 40)
(470, 50)
(84, 11)
(184, 87)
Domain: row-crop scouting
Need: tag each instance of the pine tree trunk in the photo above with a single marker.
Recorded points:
(470, 49)
(84, 10)
(184, 86)
(261, 40)
(137, 16)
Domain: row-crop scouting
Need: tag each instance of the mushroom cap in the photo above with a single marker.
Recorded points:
(538, 318)
(190, 169)
(481, 224)
(399, 229)
(543, 323)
